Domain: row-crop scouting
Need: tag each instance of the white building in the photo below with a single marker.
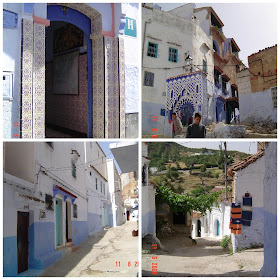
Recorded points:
(117, 211)
(164, 56)
(55, 196)
(148, 197)
(270, 211)
(126, 155)
(215, 223)
(248, 177)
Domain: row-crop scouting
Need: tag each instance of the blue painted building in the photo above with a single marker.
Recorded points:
(89, 99)
(52, 201)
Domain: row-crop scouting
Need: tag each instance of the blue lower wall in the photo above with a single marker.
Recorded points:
(81, 232)
(110, 218)
(148, 223)
(10, 256)
(149, 110)
(42, 251)
(269, 268)
(94, 223)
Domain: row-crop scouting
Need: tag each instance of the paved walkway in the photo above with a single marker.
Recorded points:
(206, 259)
(105, 254)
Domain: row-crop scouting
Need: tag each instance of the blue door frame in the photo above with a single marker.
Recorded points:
(55, 13)
(218, 227)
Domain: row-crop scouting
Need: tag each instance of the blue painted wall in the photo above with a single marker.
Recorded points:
(42, 251)
(81, 232)
(10, 256)
(148, 223)
(150, 109)
(94, 222)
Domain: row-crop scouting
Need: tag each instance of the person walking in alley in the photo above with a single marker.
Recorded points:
(196, 130)
(176, 125)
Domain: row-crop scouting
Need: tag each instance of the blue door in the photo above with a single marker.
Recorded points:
(59, 234)
(218, 227)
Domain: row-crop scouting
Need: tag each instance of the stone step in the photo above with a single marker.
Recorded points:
(69, 244)
(65, 250)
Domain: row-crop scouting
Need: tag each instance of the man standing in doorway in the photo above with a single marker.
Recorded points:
(196, 130)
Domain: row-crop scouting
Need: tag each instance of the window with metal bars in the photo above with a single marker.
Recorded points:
(173, 55)
(149, 79)
(152, 49)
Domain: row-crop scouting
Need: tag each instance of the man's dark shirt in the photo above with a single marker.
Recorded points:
(196, 131)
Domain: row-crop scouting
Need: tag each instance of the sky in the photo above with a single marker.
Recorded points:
(245, 147)
(252, 25)
(106, 149)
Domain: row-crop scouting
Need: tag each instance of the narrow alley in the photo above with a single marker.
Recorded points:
(207, 258)
(108, 253)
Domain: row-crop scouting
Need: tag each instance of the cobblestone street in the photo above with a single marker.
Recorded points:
(107, 253)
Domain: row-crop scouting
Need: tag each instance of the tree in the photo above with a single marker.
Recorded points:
(186, 203)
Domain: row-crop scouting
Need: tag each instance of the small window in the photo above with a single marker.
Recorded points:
(204, 66)
(75, 211)
(101, 186)
(96, 183)
(162, 112)
(152, 49)
(74, 169)
(173, 55)
(149, 79)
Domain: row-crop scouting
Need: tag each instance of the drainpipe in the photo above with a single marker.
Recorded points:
(144, 37)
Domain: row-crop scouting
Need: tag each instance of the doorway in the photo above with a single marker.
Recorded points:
(59, 225)
(127, 215)
(218, 228)
(68, 222)
(68, 74)
(22, 240)
(198, 228)
(179, 218)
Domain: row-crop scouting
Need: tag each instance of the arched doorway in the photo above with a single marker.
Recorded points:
(69, 92)
(198, 228)
(186, 112)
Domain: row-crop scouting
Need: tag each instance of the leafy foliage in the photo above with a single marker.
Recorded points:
(226, 241)
(186, 203)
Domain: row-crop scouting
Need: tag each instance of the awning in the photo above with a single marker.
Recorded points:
(66, 194)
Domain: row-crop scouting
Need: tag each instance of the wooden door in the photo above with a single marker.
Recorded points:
(22, 240)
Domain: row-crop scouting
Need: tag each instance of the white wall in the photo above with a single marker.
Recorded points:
(270, 211)
(250, 179)
(166, 29)
(257, 107)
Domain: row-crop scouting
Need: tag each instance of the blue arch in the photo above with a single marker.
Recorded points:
(55, 13)
(217, 46)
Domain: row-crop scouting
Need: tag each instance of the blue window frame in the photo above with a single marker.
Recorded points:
(204, 66)
(173, 55)
(152, 49)
(162, 112)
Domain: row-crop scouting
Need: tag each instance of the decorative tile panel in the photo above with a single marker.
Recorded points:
(111, 88)
(185, 89)
(39, 82)
(26, 68)
(122, 86)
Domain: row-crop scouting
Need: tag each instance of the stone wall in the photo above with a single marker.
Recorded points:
(263, 69)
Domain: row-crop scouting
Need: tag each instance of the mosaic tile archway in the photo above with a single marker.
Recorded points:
(33, 74)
